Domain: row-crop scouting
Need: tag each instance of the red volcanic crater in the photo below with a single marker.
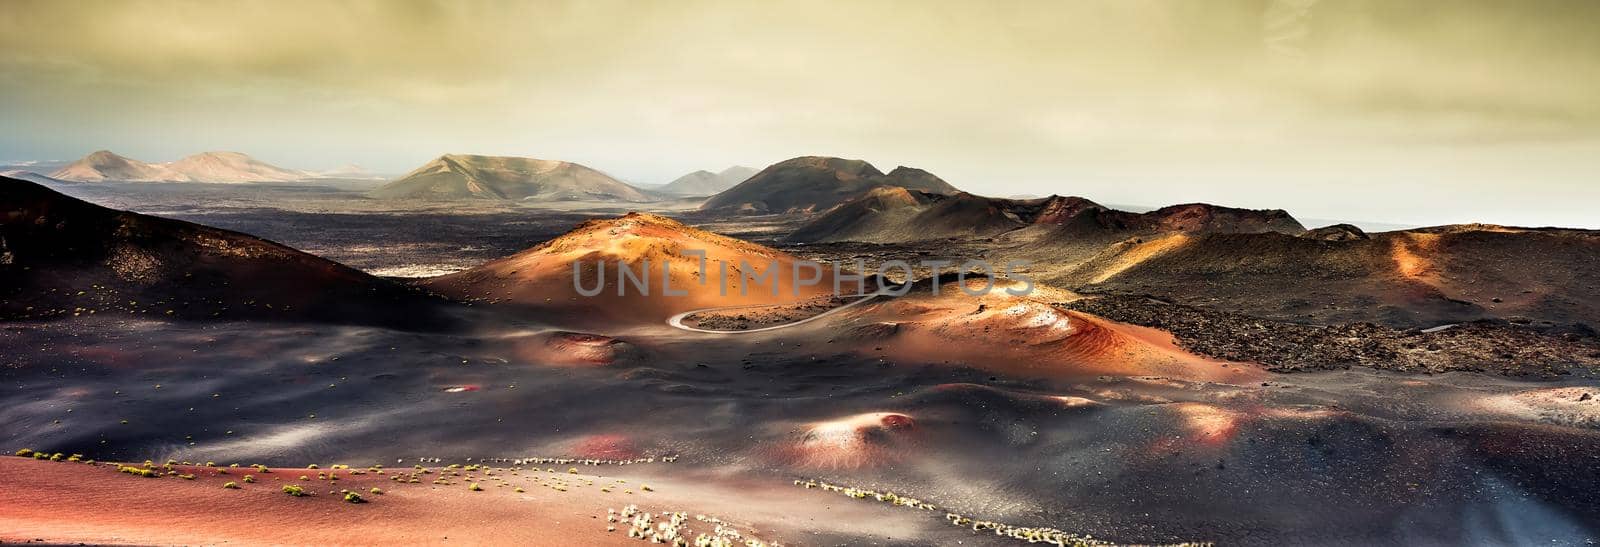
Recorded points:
(542, 278)
(862, 440)
(1024, 335)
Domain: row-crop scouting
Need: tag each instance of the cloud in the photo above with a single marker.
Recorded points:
(650, 90)
(1285, 26)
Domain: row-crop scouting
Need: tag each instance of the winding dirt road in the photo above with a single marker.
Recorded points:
(677, 320)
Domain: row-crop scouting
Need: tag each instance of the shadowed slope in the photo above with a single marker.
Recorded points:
(61, 256)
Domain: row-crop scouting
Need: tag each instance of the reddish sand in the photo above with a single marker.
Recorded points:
(64, 502)
(1025, 335)
(542, 277)
(60, 502)
(606, 446)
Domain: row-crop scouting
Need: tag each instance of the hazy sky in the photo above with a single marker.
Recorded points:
(1385, 110)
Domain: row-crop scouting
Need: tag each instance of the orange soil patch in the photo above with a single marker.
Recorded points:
(1413, 257)
(1025, 335)
(1135, 254)
(1207, 424)
(62, 502)
(542, 277)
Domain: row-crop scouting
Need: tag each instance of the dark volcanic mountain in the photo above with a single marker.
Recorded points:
(1337, 232)
(1078, 216)
(705, 183)
(460, 176)
(62, 256)
(815, 184)
(897, 215)
(1261, 263)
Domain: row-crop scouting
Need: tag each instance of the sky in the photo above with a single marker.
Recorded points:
(1412, 112)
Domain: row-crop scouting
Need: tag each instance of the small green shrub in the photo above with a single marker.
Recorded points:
(475, 488)
(294, 490)
(352, 497)
(376, 491)
(140, 471)
(249, 478)
(25, 452)
(231, 485)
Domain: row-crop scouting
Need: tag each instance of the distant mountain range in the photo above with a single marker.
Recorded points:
(813, 184)
(705, 183)
(213, 167)
(1262, 263)
(810, 184)
(463, 176)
